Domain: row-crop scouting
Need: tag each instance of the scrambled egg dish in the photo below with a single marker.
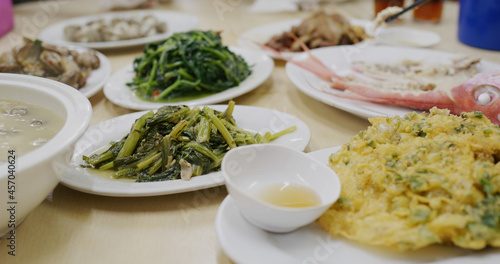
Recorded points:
(422, 179)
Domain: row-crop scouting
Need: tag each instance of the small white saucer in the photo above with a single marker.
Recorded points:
(404, 36)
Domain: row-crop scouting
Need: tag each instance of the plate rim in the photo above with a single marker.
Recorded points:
(244, 42)
(243, 38)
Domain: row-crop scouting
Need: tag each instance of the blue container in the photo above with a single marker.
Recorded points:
(479, 23)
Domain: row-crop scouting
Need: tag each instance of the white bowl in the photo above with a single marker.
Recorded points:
(37, 172)
(249, 169)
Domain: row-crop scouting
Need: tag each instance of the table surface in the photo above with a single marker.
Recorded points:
(74, 227)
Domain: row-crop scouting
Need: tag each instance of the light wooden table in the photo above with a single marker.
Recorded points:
(75, 227)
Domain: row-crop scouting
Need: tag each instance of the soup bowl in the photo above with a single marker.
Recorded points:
(26, 179)
(277, 188)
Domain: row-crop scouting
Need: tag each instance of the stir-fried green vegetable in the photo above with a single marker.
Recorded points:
(187, 64)
(176, 142)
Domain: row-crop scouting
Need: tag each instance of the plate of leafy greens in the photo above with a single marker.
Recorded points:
(192, 68)
(173, 149)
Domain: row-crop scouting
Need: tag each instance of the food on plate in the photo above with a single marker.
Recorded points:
(453, 86)
(422, 179)
(24, 127)
(176, 142)
(188, 64)
(116, 29)
(58, 63)
(319, 30)
(414, 76)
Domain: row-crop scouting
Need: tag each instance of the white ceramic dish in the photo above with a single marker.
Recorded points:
(176, 22)
(37, 172)
(339, 60)
(98, 77)
(248, 170)
(387, 35)
(120, 94)
(247, 244)
(405, 36)
(101, 134)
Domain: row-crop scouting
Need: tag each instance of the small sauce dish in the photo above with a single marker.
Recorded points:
(277, 188)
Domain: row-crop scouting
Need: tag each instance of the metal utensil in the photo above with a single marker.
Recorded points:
(415, 4)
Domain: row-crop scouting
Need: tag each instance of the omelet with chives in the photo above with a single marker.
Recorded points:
(422, 179)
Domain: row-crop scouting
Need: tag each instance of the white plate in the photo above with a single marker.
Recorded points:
(339, 60)
(119, 93)
(264, 33)
(386, 35)
(176, 22)
(101, 134)
(98, 77)
(245, 243)
(405, 36)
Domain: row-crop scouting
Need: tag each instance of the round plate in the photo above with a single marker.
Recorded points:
(176, 22)
(119, 93)
(264, 33)
(99, 136)
(339, 60)
(240, 240)
(98, 77)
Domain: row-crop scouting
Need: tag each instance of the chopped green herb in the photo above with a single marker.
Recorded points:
(477, 114)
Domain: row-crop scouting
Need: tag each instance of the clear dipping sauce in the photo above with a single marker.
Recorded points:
(24, 127)
(289, 195)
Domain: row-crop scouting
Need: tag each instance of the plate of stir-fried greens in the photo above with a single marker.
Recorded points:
(192, 68)
(176, 148)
